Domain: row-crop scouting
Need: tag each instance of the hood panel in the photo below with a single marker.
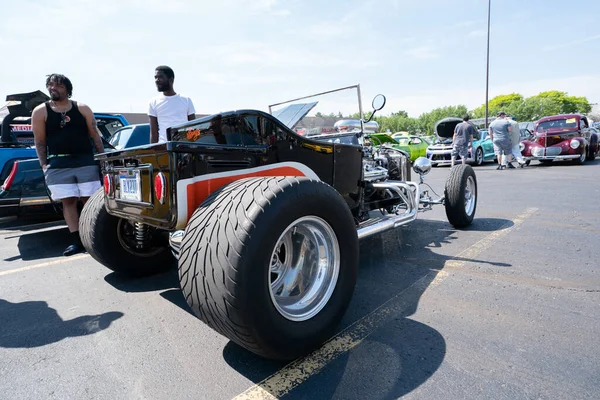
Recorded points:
(444, 128)
(293, 113)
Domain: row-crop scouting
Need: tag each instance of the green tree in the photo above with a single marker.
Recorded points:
(498, 103)
(535, 107)
(400, 113)
(568, 104)
(426, 121)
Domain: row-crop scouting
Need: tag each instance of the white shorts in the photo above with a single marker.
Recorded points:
(72, 182)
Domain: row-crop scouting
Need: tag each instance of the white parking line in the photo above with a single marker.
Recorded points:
(33, 228)
(45, 264)
(297, 372)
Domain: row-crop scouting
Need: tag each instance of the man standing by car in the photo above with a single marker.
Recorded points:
(515, 140)
(62, 129)
(463, 135)
(500, 130)
(169, 108)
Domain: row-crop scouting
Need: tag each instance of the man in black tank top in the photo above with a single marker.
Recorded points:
(62, 130)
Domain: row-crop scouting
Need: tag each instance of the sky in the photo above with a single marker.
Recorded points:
(237, 54)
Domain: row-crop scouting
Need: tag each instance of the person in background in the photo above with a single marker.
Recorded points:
(169, 108)
(500, 130)
(62, 129)
(463, 136)
(515, 139)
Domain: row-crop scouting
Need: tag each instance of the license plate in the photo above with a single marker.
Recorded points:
(129, 183)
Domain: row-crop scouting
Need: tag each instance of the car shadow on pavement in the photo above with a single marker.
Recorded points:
(400, 353)
(35, 324)
(39, 245)
(167, 282)
(163, 281)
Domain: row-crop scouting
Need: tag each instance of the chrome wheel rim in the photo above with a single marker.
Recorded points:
(470, 195)
(304, 268)
(479, 155)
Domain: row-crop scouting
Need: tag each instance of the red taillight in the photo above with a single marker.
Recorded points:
(108, 185)
(11, 177)
(160, 187)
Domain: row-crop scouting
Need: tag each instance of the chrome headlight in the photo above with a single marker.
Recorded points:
(422, 166)
(521, 146)
(574, 144)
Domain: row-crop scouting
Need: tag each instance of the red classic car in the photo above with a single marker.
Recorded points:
(561, 137)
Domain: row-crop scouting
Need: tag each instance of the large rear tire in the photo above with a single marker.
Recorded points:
(271, 263)
(111, 241)
(460, 196)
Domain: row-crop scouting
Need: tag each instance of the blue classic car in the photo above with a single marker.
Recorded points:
(24, 191)
(440, 151)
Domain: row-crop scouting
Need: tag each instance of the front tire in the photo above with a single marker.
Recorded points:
(479, 157)
(582, 158)
(460, 196)
(271, 263)
(111, 241)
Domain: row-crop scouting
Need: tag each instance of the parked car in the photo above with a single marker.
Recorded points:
(264, 223)
(561, 137)
(24, 191)
(440, 151)
(413, 145)
(16, 134)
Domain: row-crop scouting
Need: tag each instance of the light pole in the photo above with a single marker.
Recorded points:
(487, 66)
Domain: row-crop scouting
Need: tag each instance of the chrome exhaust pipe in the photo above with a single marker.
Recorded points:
(409, 193)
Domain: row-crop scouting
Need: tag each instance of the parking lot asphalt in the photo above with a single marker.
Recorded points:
(506, 309)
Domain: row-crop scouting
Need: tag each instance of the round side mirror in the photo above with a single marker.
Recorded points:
(422, 166)
(378, 102)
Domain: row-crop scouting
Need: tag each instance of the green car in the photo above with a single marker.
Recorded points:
(415, 146)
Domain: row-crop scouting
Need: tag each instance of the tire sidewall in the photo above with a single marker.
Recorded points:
(98, 231)
(479, 156)
(296, 202)
(455, 207)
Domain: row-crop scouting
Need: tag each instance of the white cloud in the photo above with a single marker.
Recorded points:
(478, 33)
(572, 43)
(327, 29)
(261, 7)
(464, 24)
(425, 52)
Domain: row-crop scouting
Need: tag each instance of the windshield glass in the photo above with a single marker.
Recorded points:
(120, 138)
(566, 123)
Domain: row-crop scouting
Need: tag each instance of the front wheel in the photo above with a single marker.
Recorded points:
(479, 156)
(271, 263)
(460, 196)
(121, 245)
(592, 154)
(582, 158)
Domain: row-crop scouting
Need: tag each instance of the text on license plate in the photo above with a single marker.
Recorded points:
(129, 182)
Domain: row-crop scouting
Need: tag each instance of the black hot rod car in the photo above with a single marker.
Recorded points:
(264, 223)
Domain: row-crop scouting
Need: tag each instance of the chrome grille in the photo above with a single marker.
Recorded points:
(537, 152)
(553, 151)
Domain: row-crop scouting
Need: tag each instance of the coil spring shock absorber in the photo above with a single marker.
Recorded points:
(141, 234)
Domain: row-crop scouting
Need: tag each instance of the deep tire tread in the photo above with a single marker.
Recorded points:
(98, 231)
(212, 246)
(454, 196)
